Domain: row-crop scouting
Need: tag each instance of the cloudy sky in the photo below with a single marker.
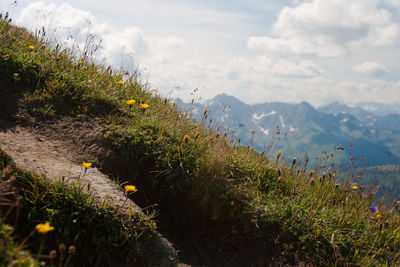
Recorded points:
(257, 50)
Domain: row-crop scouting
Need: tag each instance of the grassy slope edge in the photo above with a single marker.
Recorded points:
(195, 173)
(97, 233)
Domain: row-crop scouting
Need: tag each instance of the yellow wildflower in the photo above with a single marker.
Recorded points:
(31, 47)
(130, 102)
(86, 164)
(144, 106)
(279, 153)
(130, 188)
(80, 62)
(186, 137)
(354, 187)
(378, 216)
(43, 228)
(121, 82)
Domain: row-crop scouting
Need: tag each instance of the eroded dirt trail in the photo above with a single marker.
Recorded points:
(33, 149)
(55, 159)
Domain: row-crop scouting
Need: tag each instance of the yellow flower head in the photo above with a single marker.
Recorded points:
(280, 178)
(279, 153)
(354, 187)
(186, 137)
(144, 106)
(121, 82)
(130, 102)
(378, 216)
(130, 188)
(205, 115)
(86, 165)
(31, 47)
(80, 62)
(205, 111)
(43, 228)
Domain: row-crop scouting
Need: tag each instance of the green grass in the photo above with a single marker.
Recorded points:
(233, 191)
(95, 230)
(10, 252)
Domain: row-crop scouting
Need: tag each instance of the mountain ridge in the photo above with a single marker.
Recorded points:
(361, 132)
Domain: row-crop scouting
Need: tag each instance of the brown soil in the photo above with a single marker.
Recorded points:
(57, 150)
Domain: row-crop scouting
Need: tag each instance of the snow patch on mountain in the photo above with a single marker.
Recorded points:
(369, 108)
(259, 117)
(282, 122)
(264, 131)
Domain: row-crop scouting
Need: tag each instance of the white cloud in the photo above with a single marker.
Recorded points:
(370, 68)
(62, 22)
(165, 49)
(279, 45)
(371, 91)
(123, 47)
(393, 3)
(308, 55)
(330, 28)
(274, 66)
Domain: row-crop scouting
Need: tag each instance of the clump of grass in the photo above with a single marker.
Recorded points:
(10, 252)
(189, 168)
(95, 231)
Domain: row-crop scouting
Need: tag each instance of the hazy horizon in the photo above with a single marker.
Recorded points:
(355, 105)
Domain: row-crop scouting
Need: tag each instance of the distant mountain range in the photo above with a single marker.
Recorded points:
(369, 133)
(374, 115)
(378, 109)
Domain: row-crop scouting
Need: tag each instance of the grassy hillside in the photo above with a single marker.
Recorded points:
(252, 209)
(90, 233)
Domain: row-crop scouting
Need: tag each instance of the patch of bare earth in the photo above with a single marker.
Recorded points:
(57, 150)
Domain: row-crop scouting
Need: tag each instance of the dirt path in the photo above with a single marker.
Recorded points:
(36, 152)
(41, 156)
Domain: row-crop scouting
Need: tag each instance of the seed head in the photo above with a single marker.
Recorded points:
(62, 248)
(71, 249)
(53, 254)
